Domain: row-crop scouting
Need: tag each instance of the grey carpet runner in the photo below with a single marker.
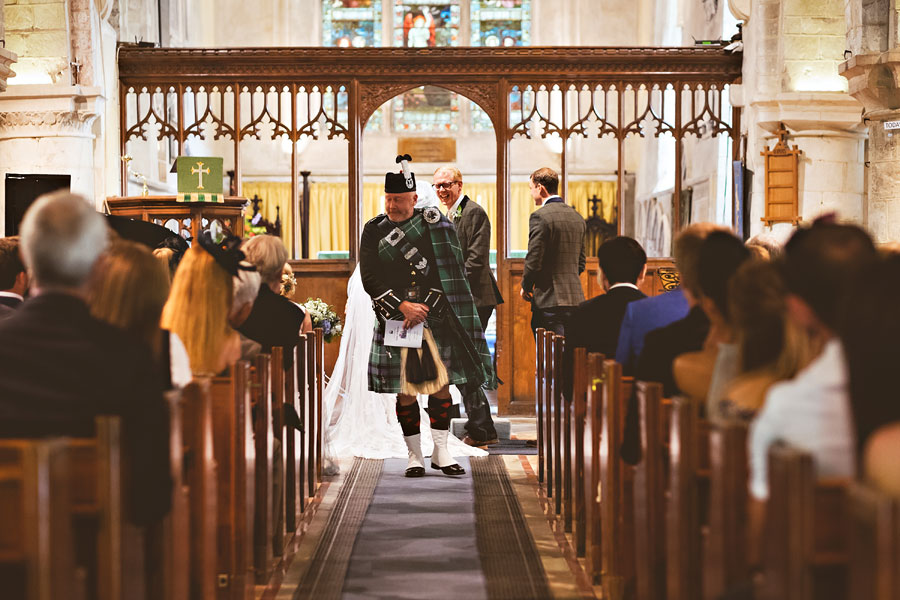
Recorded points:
(435, 537)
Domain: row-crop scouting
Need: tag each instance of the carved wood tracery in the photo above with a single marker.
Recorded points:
(241, 93)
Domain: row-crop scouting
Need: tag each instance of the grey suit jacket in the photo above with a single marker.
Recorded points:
(555, 256)
(474, 230)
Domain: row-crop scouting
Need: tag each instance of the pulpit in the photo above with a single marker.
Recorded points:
(188, 218)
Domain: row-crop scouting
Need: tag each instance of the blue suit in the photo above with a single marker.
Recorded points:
(642, 317)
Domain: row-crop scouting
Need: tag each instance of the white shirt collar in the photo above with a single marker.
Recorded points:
(12, 295)
(456, 204)
(631, 285)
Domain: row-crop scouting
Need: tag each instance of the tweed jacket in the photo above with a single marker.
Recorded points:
(474, 231)
(555, 256)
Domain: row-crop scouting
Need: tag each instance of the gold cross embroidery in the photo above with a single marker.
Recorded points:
(199, 170)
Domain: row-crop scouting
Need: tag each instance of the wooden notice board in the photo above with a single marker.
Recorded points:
(428, 149)
(782, 182)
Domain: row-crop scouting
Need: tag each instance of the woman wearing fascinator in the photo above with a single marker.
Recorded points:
(200, 302)
(363, 423)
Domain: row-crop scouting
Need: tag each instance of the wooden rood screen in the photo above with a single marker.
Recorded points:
(326, 93)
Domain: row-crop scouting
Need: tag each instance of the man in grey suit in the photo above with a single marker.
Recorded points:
(474, 231)
(555, 256)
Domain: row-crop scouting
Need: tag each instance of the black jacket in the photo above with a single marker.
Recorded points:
(595, 323)
(60, 368)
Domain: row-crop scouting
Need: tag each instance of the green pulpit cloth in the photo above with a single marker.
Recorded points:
(199, 178)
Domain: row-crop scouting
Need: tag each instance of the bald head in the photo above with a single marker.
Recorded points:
(62, 236)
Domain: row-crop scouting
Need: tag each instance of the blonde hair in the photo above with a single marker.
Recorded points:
(164, 256)
(288, 281)
(198, 309)
(268, 254)
(454, 172)
(128, 289)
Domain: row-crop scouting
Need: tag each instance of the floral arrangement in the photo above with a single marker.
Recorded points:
(324, 316)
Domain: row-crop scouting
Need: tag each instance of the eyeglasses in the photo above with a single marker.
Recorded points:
(445, 186)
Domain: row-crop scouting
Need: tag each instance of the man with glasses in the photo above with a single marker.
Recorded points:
(474, 231)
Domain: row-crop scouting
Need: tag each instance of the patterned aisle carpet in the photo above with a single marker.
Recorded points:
(436, 537)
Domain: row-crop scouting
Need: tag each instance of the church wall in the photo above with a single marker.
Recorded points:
(792, 52)
(38, 34)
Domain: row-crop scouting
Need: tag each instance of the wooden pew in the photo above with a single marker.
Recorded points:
(235, 462)
(261, 392)
(174, 530)
(276, 378)
(806, 552)
(200, 476)
(874, 544)
(36, 540)
(649, 494)
(320, 394)
(311, 416)
(592, 432)
(540, 365)
(686, 508)
(725, 546)
(557, 420)
(291, 485)
(549, 439)
(615, 487)
(579, 394)
(301, 360)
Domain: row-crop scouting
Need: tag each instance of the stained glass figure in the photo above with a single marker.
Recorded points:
(501, 22)
(497, 23)
(351, 23)
(426, 23)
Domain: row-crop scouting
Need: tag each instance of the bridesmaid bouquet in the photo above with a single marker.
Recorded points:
(324, 316)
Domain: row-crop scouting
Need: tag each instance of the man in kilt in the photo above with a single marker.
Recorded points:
(412, 266)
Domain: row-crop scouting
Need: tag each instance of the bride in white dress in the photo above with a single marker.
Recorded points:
(363, 423)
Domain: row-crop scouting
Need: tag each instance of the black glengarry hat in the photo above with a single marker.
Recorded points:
(400, 183)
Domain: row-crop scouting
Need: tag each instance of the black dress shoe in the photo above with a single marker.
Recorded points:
(415, 472)
(453, 469)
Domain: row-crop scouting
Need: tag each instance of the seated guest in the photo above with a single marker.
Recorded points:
(594, 324)
(770, 346)
(13, 279)
(662, 345)
(274, 320)
(643, 316)
(200, 302)
(880, 459)
(869, 330)
(60, 367)
(128, 289)
(170, 252)
(702, 375)
(812, 411)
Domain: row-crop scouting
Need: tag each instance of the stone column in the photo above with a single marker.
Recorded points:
(873, 80)
(47, 129)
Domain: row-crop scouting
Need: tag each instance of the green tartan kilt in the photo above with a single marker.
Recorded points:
(384, 362)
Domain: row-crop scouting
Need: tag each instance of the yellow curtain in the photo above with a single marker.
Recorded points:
(329, 208)
(273, 193)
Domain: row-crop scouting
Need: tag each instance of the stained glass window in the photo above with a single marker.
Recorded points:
(501, 22)
(426, 23)
(421, 24)
(351, 23)
(497, 23)
(426, 108)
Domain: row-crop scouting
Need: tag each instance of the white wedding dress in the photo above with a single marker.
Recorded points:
(363, 423)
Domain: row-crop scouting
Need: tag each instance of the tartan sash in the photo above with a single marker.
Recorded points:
(398, 242)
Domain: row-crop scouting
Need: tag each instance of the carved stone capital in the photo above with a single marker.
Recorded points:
(822, 113)
(52, 123)
(874, 79)
(6, 59)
